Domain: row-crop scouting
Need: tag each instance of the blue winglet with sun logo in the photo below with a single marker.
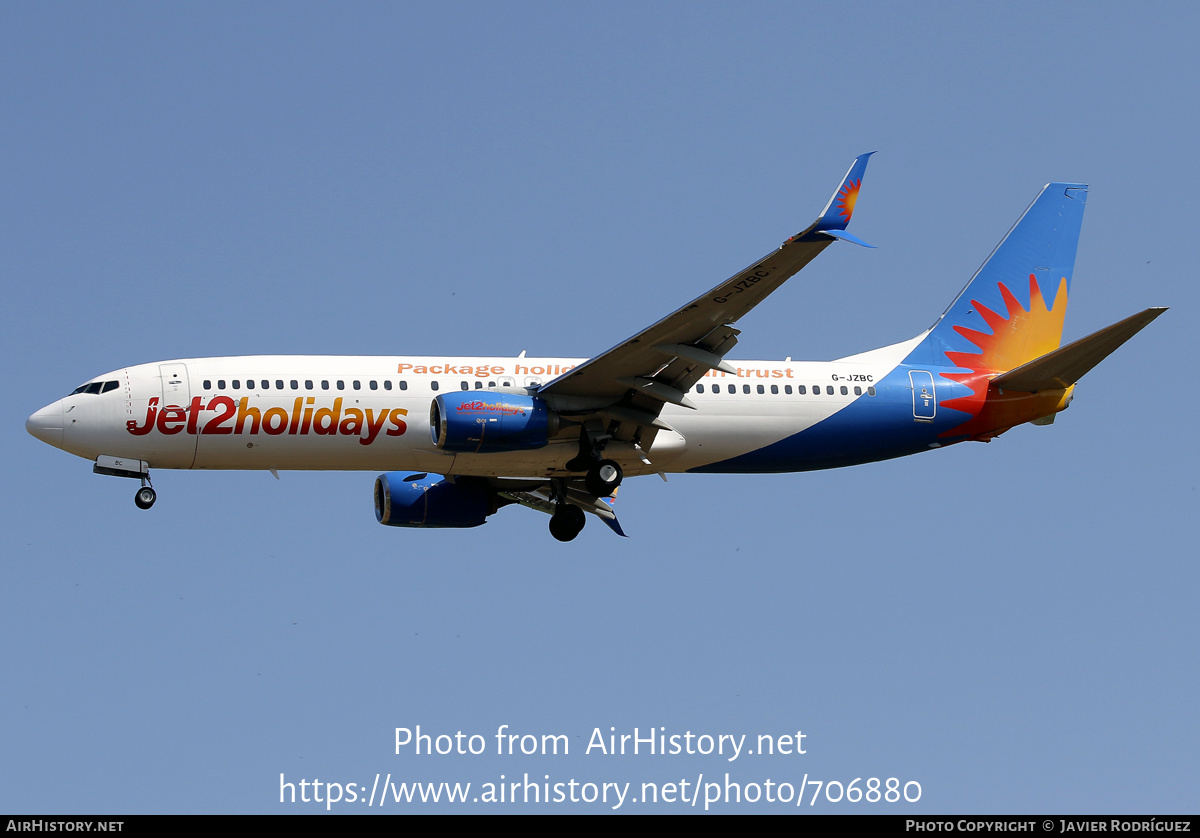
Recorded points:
(836, 215)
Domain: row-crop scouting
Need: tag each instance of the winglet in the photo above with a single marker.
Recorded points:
(846, 237)
(611, 520)
(837, 212)
(836, 215)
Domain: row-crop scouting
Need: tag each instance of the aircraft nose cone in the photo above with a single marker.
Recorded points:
(47, 424)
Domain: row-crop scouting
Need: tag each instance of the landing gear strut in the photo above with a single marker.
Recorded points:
(567, 522)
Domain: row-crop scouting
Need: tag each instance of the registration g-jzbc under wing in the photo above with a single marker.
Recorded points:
(459, 438)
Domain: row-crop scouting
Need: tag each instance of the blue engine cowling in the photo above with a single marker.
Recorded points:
(482, 422)
(403, 499)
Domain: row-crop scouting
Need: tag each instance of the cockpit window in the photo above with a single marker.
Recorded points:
(95, 387)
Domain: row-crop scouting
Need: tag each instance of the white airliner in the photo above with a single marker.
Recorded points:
(559, 434)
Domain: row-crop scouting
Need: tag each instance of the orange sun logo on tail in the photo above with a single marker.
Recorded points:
(1018, 337)
(847, 197)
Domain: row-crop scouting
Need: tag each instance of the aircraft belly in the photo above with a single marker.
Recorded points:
(717, 435)
(538, 462)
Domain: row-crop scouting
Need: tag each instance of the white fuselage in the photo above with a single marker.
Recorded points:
(372, 413)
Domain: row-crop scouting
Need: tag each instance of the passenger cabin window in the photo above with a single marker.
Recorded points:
(774, 389)
(237, 384)
(870, 391)
(308, 385)
(746, 389)
(462, 385)
(801, 390)
(324, 384)
(295, 384)
(358, 385)
(278, 384)
(433, 385)
(845, 392)
(403, 385)
(341, 385)
(220, 384)
(699, 388)
(787, 388)
(478, 385)
(374, 385)
(761, 389)
(207, 384)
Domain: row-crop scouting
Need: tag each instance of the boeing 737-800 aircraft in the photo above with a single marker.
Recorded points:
(559, 434)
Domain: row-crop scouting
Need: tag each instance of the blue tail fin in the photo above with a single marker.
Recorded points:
(1012, 309)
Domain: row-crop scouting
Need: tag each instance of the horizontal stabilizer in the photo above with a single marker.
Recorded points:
(1061, 368)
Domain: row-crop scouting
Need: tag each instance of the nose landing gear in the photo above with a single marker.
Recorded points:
(144, 497)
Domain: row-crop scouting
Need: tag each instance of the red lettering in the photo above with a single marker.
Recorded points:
(295, 415)
(151, 415)
(171, 419)
(251, 413)
(326, 421)
(275, 420)
(214, 426)
(194, 414)
(374, 426)
(400, 425)
(352, 423)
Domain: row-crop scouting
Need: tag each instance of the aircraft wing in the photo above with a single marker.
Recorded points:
(631, 381)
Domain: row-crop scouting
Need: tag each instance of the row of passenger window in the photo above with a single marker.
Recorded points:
(325, 384)
(294, 384)
(340, 384)
(96, 387)
(787, 389)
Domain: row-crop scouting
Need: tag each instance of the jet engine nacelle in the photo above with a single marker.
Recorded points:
(482, 422)
(403, 499)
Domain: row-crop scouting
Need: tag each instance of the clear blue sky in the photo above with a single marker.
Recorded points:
(1012, 625)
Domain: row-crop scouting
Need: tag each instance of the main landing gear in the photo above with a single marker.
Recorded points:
(603, 478)
(567, 521)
